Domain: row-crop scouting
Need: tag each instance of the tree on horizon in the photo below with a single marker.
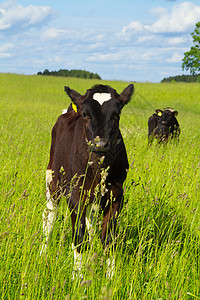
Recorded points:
(191, 60)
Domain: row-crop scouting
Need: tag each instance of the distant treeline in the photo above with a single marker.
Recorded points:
(70, 73)
(182, 78)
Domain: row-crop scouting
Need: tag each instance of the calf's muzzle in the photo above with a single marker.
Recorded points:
(101, 145)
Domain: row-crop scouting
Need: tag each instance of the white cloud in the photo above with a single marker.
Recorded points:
(177, 40)
(55, 33)
(87, 37)
(159, 11)
(133, 26)
(146, 39)
(96, 45)
(182, 18)
(108, 57)
(177, 23)
(176, 57)
(5, 50)
(149, 55)
(128, 56)
(5, 54)
(13, 15)
(6, 47)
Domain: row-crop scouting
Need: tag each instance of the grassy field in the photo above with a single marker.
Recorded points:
(158, 237)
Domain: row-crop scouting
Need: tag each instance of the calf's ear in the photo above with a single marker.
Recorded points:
(175, 113)
(125, 96)
(159, 112)
(75, 96)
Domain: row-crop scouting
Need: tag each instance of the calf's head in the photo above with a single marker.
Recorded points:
(100, 108)
(167, 117)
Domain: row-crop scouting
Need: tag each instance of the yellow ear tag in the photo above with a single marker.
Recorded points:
(159, 114)
(74, 107)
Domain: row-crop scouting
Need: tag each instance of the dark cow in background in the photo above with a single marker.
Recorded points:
(163, 125)
(88, 164)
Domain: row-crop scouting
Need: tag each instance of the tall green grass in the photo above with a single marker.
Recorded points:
(157, 252)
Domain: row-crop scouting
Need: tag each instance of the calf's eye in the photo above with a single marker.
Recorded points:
(86, 117)
(115, 118)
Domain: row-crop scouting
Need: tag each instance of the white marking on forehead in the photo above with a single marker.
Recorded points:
(102, 97)
(170, 109)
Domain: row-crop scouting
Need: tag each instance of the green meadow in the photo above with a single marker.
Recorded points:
(158, 233)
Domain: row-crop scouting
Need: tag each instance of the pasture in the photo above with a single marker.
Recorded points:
(158, 233)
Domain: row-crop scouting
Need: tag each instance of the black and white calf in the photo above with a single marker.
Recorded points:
(163, 125)
(88, 147)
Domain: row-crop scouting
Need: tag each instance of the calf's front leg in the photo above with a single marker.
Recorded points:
(111, 213)
(78, 232)
(50, 212)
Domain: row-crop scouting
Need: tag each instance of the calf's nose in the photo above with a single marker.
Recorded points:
(101, 144)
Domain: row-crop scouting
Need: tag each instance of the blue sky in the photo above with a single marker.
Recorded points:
(118, 39)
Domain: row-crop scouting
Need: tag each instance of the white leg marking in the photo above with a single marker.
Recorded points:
(110, 267)
(77, 263)
(48, 182)
(49, 214)
(92, 211)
